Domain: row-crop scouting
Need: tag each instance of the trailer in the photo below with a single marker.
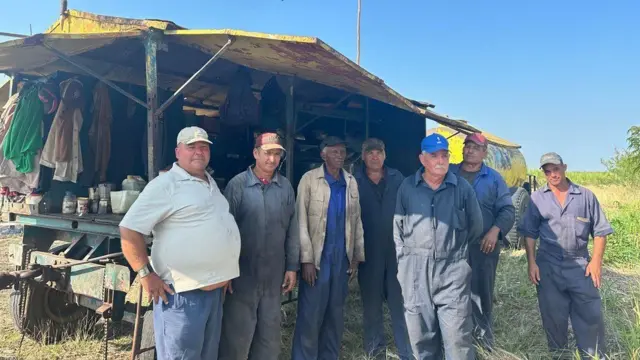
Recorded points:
(160, 78)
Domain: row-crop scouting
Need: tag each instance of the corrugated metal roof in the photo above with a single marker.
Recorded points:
(307, 58)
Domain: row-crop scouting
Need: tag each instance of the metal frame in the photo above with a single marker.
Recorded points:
(195, 76)
(94, 74)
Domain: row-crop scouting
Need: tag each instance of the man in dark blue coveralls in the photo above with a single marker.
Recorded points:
(378, 185)
(498, 216)
(437, 217)
(563, 215)
(331, 247)
(263, 204)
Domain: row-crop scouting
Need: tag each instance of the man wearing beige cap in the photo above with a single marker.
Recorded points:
(263, 204)
(194, 254)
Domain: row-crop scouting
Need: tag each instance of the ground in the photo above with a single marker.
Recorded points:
(518, 326)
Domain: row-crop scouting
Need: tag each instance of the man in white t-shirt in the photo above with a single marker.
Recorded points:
(194, 254)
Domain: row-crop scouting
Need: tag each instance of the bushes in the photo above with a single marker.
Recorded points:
(623, 247)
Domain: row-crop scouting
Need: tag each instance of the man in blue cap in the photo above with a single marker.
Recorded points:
(437, 216)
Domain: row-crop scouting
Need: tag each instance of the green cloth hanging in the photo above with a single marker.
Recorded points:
(24, 138)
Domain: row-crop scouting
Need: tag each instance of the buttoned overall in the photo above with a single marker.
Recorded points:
(564, 291)
(432, 232)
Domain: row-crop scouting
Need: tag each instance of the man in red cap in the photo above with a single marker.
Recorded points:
(263, 204)
(498, 216)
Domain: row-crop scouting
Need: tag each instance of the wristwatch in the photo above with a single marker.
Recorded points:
(146, 270)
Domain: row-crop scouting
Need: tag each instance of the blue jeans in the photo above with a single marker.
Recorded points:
(320, 320)
(188, 326)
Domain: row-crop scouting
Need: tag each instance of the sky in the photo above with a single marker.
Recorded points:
(549, 75)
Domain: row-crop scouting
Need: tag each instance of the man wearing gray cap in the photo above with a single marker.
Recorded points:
(195, 251)
(331, 247)
(563, 215)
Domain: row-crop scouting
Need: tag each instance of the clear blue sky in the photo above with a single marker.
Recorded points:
(550, 75)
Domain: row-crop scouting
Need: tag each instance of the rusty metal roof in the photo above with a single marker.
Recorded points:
(113, 47)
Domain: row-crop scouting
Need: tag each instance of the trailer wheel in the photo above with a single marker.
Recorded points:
(49, 317)
(520, 201)
(147, 337)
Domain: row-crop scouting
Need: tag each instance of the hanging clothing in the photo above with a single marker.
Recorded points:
(62, 150)
(9, 176)
(100, 131)
(8, 110)
(24, 137)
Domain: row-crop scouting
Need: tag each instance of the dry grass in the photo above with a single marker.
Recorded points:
(518, 327)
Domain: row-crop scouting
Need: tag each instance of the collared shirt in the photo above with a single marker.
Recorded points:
(196, 240)
(378, 204)
(265, 214)
(334, 249)
(494, 199)
(564, 230)
(442, 221)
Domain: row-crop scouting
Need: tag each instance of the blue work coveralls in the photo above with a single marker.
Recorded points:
(497, 209)
(378, 275)
(432, 232)
(320, 321)
(265, 214)
(564, 291)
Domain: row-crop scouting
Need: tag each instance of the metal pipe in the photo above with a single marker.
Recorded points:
(63, 12)
(151, 49)
(94, 74)
(92, 260)
(358, 33)
(195, 76)
(12, 85)
(135, 346)
(13, 35)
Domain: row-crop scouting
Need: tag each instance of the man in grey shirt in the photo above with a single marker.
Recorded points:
(437, 216)
(263, 204)
(563, 215)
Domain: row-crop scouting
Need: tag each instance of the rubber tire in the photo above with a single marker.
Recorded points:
(520, 201)
(40, 325)
(147, 337)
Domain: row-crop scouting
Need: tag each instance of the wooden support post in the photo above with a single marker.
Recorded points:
(290, 128)
(366, 118)
(151, 48)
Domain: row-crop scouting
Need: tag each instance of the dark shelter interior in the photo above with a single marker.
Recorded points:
(232, 102)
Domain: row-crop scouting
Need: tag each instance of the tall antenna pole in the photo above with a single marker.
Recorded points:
(358, 33)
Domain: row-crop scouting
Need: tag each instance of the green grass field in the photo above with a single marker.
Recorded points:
(518, 326)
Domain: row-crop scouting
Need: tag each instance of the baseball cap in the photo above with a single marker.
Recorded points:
(550, 158)
(372, 144)
(269, 141)
(331, 141)
(433, 143)
(192, 134)
(477, 138)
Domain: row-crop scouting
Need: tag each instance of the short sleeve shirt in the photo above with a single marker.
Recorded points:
(196, 239)
(564, 231)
